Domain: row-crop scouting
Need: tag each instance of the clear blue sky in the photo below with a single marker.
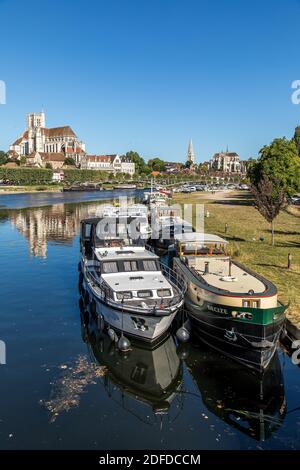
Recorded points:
(149, 74)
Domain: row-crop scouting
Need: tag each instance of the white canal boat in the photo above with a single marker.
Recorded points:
(129, 289)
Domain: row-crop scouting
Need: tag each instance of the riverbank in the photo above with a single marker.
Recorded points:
(30, 189)
(245, 228)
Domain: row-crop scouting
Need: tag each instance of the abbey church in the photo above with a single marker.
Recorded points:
(49, 143)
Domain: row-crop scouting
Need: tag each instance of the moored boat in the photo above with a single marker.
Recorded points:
(231, 308)
(129, 289)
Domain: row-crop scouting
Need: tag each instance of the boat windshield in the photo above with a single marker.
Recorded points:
(110, 242)
(202, 248)
(122, 266)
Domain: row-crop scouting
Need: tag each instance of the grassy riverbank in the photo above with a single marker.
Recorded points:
(245, 227)
(30, 188)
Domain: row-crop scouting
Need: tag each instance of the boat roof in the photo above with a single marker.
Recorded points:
(136, 281)
(131, 253)
(199, 237)
(113, 217)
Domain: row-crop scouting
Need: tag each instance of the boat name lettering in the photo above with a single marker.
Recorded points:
(217, 309)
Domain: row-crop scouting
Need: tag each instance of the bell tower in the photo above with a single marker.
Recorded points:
(35, 123)
(190, 153)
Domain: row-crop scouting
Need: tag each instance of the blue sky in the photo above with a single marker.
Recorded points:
(149, 74)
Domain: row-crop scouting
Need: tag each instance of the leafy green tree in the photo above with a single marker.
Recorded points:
(297, 138)
(3, 157)
(280, 162)
(156, 164)
(140, 165)
(23, 160)
(48, 166)
(69, 161)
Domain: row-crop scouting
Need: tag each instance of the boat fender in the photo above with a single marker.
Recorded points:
(124, 344)
(100, 322)
(182, 334)
(112, 334)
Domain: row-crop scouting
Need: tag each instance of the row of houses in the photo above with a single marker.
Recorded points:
(42, 146)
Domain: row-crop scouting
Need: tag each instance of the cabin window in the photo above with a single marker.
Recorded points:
(163, 292)
(149, 265)
(251, 303)
(130, 266)
(87, 231)
(124, 295)
(110, 267)
(144, 294)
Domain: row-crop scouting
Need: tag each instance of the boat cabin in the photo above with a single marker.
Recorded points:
(112, 231)
(200, 244)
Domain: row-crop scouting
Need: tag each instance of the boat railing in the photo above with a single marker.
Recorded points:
(106, 293)
(174, 278)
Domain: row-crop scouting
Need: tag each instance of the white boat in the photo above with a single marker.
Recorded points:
(129, 289)
(166, 222)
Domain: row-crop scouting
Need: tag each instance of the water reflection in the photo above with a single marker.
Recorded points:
(252, 404)
(58, 223)
(152, 377)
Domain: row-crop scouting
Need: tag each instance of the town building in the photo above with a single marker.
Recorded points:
(111, 163)
(43, 159)
(172, 167)
(226, 162)
(38, 138)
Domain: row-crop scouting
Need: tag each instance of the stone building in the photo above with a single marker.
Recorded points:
(38, 138)
(111, 163)
(226, 162)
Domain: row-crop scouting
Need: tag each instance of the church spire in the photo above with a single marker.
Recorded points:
(190, 154)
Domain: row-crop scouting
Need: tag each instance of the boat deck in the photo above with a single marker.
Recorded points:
(241, 280)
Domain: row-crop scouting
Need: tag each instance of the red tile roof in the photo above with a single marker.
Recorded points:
(101, 158)
(64, 131)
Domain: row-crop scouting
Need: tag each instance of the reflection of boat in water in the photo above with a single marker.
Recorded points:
(251, 404)
(150, 376)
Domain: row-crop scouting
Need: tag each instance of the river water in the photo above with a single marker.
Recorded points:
(63, 387)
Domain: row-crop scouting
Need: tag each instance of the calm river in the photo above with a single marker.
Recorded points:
(64, 388)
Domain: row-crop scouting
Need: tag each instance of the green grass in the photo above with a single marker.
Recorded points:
(245, 227)
(30, 188)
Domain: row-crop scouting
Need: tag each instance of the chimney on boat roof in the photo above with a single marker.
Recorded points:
(206, 267)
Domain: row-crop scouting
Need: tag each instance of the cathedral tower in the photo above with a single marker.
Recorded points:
(190, 154)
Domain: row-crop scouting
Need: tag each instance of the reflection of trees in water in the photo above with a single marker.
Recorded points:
(67, 389)
(58, 223)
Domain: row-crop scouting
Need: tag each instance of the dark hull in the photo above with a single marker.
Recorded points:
(79, 189)
(251, 344)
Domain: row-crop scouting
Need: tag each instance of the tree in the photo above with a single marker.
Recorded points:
(140, 165)
(48, 166)
(23, 160)
(297, 138)
(270, 199)
(281, 163)
(69, 161)
(3, 157)
(156, 164)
